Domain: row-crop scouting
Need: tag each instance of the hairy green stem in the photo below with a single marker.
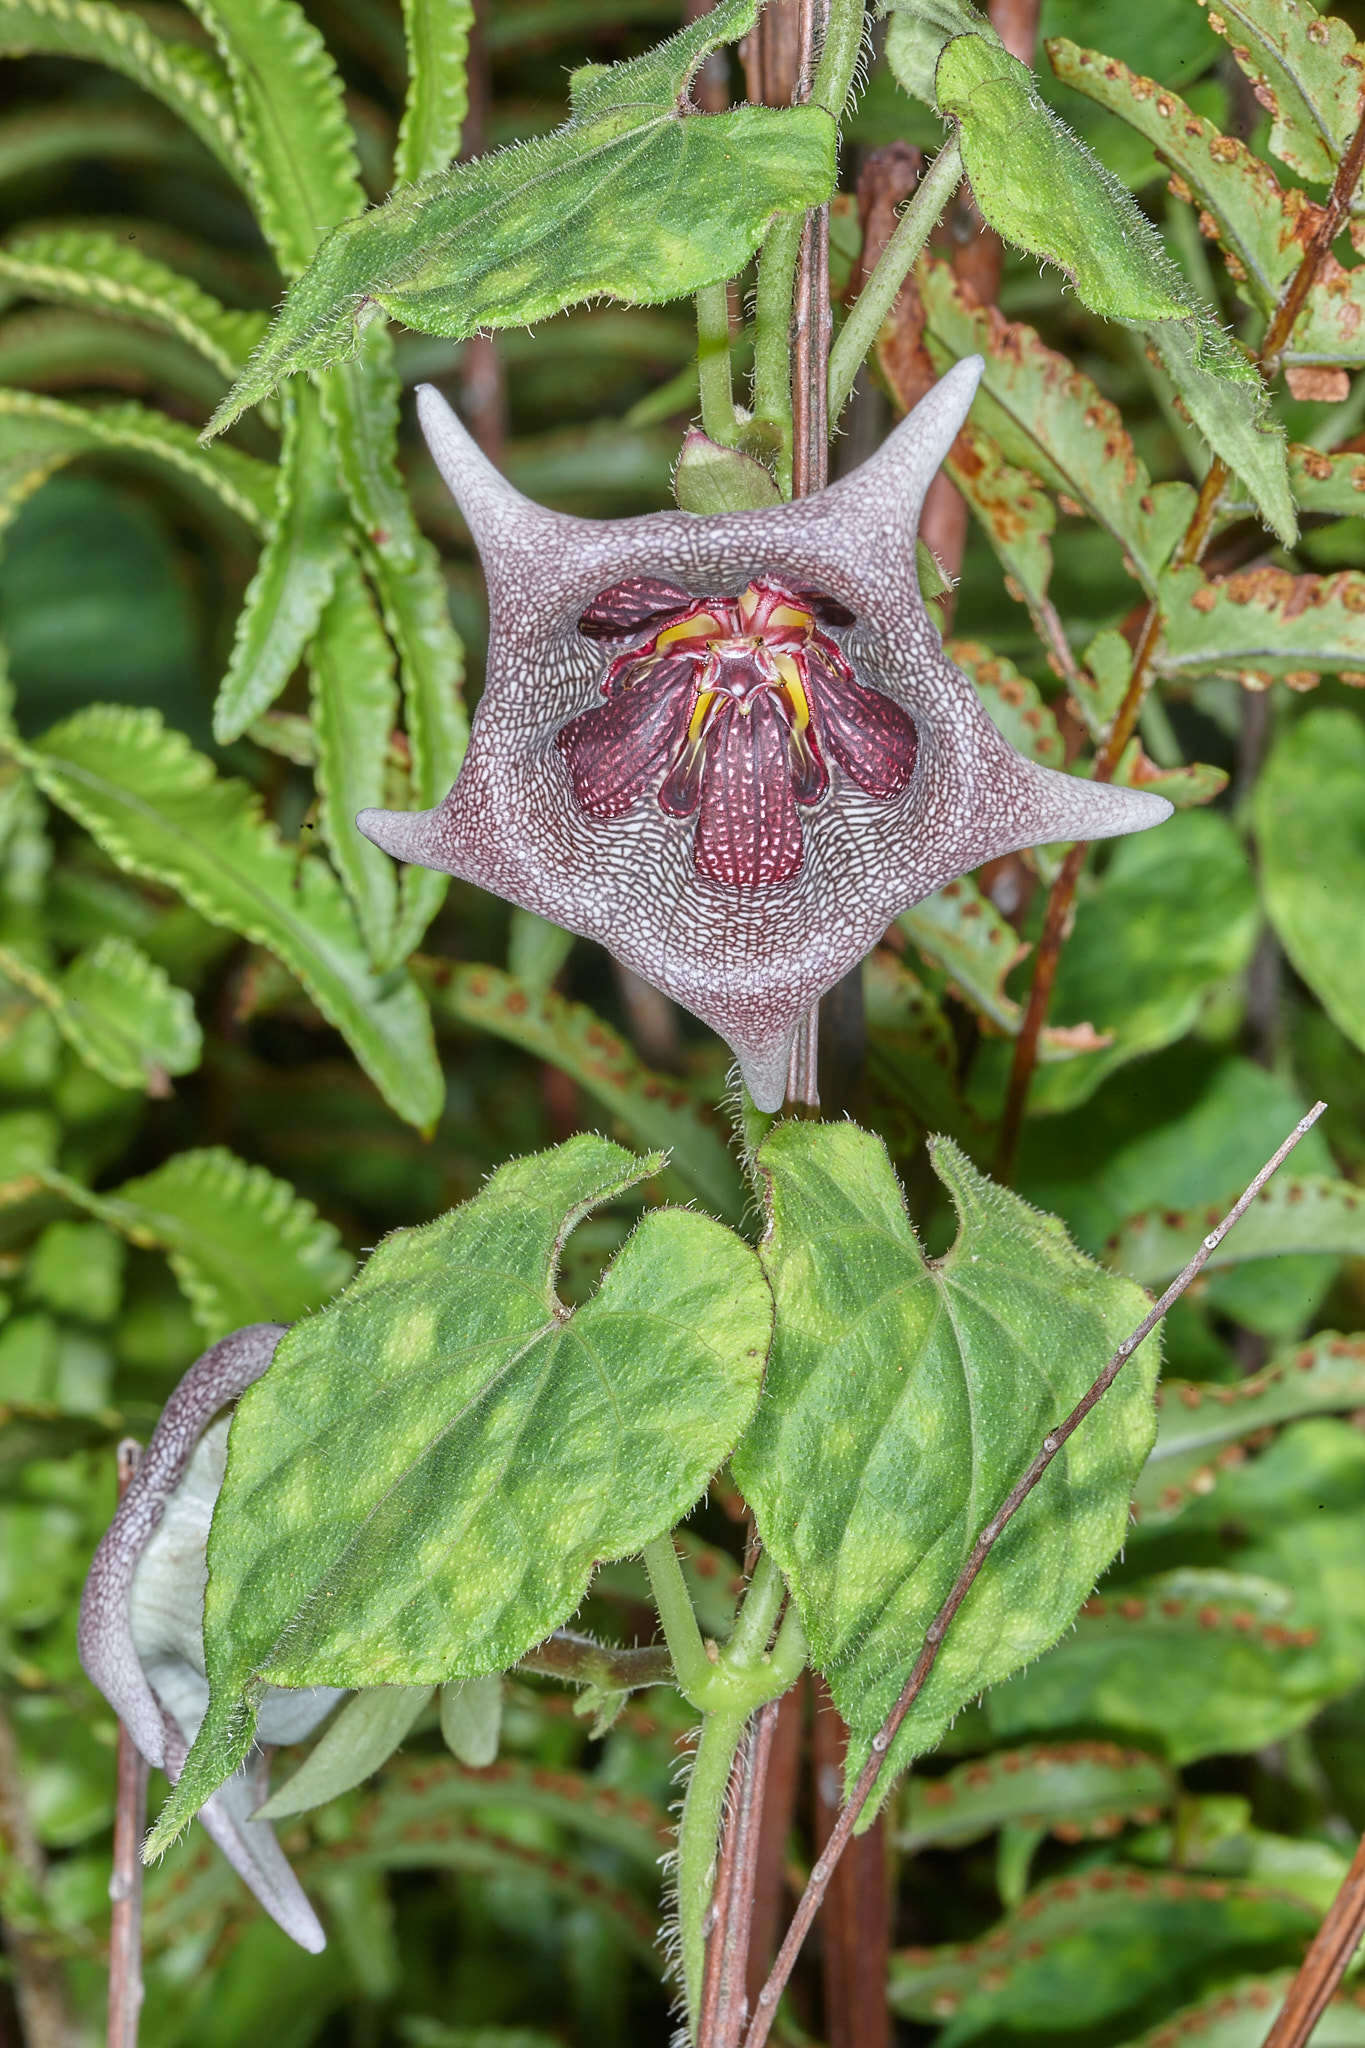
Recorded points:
(692, 1667)
(698, 1838)
(782, 252)
(877, 296)
(754, 1623)
(718, 415)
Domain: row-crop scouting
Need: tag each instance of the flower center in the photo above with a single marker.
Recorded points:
(730, 710)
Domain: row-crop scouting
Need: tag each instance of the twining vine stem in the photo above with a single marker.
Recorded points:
(843, 1828)
(125, 1881)
(1189, 550)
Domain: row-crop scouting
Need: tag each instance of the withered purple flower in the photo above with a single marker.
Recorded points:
(142, 1612)
(731, 749)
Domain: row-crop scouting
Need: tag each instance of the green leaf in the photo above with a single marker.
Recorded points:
(1227, 180)
(1040, 187)
(604, 205)
(438, 96)
(87, 267)
(1237, 2016)
(76, 1269)
(159, 811)
(354, 705)
(1086, 1952)
(183, 78)
(244, 1247)
(961, 931)
(1013, 701)
(1147, 952)
(40, 434)
(1202, 1428)
(930, 1385)
(1194, 1661)
(296, 139)
(1296, 1512)
(1048, 417)
(655, 1108)
(361, 400)
(471, 1719)
(442, 1792)
(1306, 68)
(1310, 828)
(1289, 1215)
(294, 578)
(118, 1011)
(416, 1833)
(492, 1448)
(363, 1737)
(1262, 624)
(1077, 1790)
(710, 478)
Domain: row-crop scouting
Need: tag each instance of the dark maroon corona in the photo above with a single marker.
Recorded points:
(729, 711)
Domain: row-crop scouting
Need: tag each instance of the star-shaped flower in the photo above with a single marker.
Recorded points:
(731, 749)
(142, 1612)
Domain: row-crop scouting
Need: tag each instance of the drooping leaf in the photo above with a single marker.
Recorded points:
(363, 1737)
(494, 1446)
(1203, 1428)
(244, 1247)
(118, 1011)
(294, 577)
(471, 1719)
(438, 97)
(488, 243)
(1051, 419)
(81, 266)
(354, 705)
(184, 78)
(1077, 1790)
(40, 434)
(159, 811)
(1191, 1662)
(1085, 1953)
(930, 1385)
(1310, 826)
(1306, 69)
(1041, 188)
(655, 1108)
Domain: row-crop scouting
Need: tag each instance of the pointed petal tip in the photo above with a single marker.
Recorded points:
(763, 1071)
(404, 834)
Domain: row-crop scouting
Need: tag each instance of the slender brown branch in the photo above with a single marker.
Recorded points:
(724, 1996)
(1324, 1966)
(125, 1879)
(1052, 1443)
(583, 1662)
(855, 1926)
(1189, 550)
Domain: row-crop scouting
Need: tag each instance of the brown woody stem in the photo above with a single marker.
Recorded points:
(1325, 1964)
(990, 1535)
(1189, 550)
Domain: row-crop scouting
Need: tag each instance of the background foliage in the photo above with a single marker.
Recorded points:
(236, 1048)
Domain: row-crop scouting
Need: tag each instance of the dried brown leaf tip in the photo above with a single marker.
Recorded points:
(731, 748)
(141, 1623)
